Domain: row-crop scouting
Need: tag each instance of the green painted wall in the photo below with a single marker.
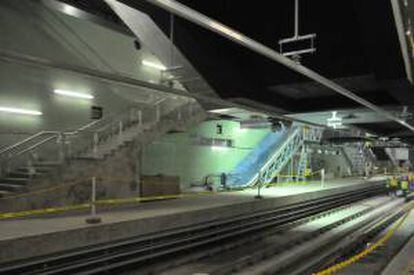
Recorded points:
(175, 154)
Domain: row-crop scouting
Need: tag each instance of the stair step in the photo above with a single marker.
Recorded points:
(12, 180)
(19, 175)
(39, 170)
(47, 164)
(4, 193)
(10, 187)
(26, 174)
(91, 157)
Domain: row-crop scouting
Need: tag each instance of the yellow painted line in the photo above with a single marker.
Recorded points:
(339, 266)
(63, 209)
(53, 210)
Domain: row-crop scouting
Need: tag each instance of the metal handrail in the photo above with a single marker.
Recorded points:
(108, 122)
(55, 134)
(83, 128)
(11, 147)
(35, 146)
(291, 135)
(346, 156)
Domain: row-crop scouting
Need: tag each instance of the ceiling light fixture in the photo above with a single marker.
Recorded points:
(73, 94)
(218, 148)
(153, 65)
(20, 111)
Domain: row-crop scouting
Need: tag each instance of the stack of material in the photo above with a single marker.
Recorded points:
(159, 185)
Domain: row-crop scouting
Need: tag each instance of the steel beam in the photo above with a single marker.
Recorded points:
(404, 44)
(241, 39)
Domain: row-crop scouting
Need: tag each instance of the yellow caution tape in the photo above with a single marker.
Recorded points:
(288, 183)
(294, 175)
(339, 266)
(106, 202)
(42, 191)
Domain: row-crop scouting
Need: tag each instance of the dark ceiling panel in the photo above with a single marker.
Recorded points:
(354, 40)
(383, 128)
(357, 46)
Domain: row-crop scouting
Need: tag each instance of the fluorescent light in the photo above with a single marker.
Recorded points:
(154, 65)
(73, 94)
(20, 111)
(218, 148)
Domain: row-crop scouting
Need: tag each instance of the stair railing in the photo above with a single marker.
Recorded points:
(52, 145)
(24, 151)
(88, 138)
(59, 146)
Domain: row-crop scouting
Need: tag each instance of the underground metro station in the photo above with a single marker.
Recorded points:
(206, 137)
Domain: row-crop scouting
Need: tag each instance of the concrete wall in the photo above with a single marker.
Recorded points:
(117, 173)
(336, 166)
(27, 27)
(177, 155)
(31, 28)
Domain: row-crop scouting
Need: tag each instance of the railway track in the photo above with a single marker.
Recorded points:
(306, 255)
(169, 249)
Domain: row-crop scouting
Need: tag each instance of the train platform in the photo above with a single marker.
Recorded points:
(30, 237)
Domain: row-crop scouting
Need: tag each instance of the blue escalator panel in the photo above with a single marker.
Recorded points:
(248, 168)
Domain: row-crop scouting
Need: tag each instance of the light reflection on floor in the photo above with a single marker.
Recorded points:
(286, 189)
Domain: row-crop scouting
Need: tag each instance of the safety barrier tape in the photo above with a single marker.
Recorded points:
(49, 189)
(339, 266)
(294, 175)
(106, 202)
(85, 180)
(291, 183)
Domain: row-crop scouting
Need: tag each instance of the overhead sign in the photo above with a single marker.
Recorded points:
(334, 121)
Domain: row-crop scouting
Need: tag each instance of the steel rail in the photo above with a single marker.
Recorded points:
(206, 22)
(119, 254)
(360, 237)
(280, 247)
(290, 260)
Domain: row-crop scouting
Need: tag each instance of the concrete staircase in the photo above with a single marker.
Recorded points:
(17, 180)
(302, 164)
(358, 159)
(96, 143)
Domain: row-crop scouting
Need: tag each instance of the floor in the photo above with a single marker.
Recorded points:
(18, 228)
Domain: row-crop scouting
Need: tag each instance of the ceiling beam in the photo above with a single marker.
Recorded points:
(206, 22)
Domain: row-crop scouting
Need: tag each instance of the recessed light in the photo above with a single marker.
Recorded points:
(73, 94)
(20, 111)
(154, 65)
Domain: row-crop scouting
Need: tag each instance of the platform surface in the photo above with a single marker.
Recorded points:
(26, 237)
(403, 262)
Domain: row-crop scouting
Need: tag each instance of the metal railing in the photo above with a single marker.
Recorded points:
(281, 157)
(293, 140)
(55, 146)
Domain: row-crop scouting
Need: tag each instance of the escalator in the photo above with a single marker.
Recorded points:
(267, 159)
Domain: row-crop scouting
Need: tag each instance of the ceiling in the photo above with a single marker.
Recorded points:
(357, 46)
